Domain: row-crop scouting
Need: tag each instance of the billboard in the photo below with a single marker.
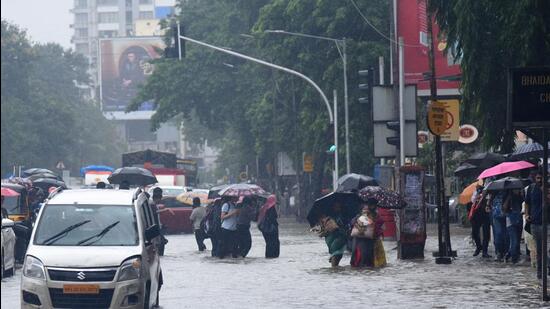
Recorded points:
(125, 64)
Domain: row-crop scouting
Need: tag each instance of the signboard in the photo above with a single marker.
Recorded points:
(60, 165)
(125, 64)
(308, 163)
(453, 120)
(529, 97)
(384, 110)
(437, 117)
(467, 134)
(284, 165)
(423, 137)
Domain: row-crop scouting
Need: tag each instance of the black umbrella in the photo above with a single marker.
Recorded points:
(354, 182)
(47, 183)
(386, 198)
(467, 170)
(35, 170)
(214, 191)
(528, 151)
(485, 160)
(44, 175)
(133, 175)
(323, 206)
(506, 183)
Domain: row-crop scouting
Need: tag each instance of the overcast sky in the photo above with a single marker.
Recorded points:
(45, 20)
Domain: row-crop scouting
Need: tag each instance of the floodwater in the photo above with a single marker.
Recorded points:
(302, 278)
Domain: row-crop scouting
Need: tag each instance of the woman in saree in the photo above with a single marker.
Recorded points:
(334, 230)
(367, 247)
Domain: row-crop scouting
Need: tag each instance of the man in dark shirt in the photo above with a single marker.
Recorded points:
(533, 204)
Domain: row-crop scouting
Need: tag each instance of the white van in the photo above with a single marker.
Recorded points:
(93, 249)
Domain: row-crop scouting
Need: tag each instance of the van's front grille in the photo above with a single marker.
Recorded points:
(96, 301)
(83, 275)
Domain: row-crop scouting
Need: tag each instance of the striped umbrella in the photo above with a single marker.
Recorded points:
(527, 151)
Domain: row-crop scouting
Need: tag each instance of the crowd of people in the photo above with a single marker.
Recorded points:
(227, 222)
(362, 236)
(512, 214)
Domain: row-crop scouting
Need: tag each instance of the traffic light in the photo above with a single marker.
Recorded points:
(394, 126)
(173, 50)
(367, 87)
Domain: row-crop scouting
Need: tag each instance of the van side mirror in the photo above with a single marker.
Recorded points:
(6, 223)
(152, 232)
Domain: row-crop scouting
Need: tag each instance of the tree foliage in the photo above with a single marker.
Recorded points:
(45, 117)
(490, 37)
(256, 110)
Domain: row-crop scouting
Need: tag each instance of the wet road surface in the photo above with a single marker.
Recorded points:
(302, 278)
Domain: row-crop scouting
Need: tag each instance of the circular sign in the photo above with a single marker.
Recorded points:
(422, 137)
(243, 176)
(438, 118)
(467, 134)
(441, 46)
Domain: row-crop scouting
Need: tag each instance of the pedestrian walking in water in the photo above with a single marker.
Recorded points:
(367, 247)
(498, 220)
(533, 205)
(243, 236)
(480, 219)
(211, 225)
(268, 225)
(334, 231)
(196, 217)
(514, 223)
(228, 217)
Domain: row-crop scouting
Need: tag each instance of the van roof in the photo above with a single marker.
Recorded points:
(93, 197)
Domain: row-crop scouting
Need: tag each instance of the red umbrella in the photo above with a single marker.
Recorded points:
(504, 168)
(242, 189)
(9, 192)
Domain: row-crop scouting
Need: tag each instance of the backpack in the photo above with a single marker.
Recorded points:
(211, 223)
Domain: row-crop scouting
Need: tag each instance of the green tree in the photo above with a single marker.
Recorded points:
(490, 37)
(45, 118)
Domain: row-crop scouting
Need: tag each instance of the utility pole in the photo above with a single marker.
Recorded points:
(444, 253)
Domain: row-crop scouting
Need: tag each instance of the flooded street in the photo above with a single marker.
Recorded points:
(302, 278)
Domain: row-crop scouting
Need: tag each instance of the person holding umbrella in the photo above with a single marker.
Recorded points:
(334, 231)
(243, 236)
(229, 227)
(479, 218)
(533, 209)
(498, 219)
(367, 247)
(514, 223)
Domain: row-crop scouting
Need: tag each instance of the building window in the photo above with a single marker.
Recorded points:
(146, 15)
(80, 4)
(107, 2)
(81, 48)
(107, 33)
(129, 5)
(81, 19)
(107, 17)
(145, 1)
(81, 33)
(129, 18)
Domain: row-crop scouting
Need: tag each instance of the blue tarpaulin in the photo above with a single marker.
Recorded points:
(95, 168)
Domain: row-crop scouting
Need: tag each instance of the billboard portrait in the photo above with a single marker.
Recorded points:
(125, 64)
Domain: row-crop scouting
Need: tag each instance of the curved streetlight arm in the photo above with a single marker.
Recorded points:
(278, 67)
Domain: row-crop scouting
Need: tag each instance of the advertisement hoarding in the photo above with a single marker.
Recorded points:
(125, 64)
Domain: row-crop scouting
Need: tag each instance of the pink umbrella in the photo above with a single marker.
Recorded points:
(9, 192)
(504, 168)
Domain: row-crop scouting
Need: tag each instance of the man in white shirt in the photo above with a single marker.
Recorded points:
(229, 228)
(196, 217)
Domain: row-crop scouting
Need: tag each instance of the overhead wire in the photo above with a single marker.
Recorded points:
(376, 29)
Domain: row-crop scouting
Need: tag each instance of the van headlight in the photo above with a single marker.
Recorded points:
(130, 269)
(33, 268)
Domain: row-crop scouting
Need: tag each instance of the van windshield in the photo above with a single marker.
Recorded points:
(87, 225)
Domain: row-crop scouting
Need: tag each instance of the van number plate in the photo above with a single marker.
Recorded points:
(80, 289)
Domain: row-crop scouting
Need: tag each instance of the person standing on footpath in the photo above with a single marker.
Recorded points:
(514, 223)
(196, 217)
(533, 206)
(229, 228)
(479, 218)
(244, 239)
(268, 225)
(498, 219)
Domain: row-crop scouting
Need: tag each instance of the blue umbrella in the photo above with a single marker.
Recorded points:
(95, 168)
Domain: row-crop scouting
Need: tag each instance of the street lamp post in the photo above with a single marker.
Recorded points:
(343, 55)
